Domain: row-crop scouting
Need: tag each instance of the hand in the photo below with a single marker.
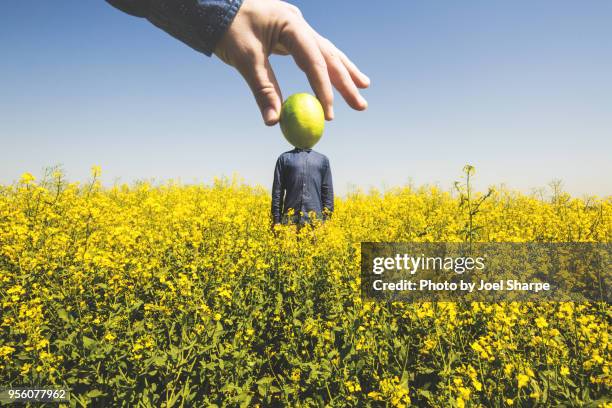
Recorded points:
(264, 27)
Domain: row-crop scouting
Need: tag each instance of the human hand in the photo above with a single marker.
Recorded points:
(264, 27)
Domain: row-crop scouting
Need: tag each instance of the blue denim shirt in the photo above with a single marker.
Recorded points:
(198, 23)
(302, 181)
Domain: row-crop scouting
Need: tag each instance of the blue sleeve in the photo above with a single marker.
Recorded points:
(198, 23)
(278, 190)
(327, 188)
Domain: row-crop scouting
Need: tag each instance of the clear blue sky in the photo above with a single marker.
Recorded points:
(520, 89)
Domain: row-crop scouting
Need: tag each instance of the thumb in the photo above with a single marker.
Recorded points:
(259, 75)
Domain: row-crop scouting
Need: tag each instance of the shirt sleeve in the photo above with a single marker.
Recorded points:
(198, 23)
(277, 191)
(327, 188)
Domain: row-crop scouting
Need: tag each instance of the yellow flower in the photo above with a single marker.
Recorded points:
(25, 369)
(352, 387)
(225, 293)
(465, 393)
(96, 171)
(398, 394)
(6, 351)
(27, 178)
(564, 371)
(375, 395)
(541, 322)
(522, 379)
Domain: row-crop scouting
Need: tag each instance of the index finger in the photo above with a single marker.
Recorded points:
(302, 45)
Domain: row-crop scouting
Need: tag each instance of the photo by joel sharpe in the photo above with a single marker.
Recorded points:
(488, 272)
(459, 258)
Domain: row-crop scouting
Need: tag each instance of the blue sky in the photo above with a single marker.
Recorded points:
(522, 90)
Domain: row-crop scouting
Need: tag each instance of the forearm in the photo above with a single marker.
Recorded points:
(328, 204)
(198, 23)
(277, 206)
(278, 191)
(327, 190)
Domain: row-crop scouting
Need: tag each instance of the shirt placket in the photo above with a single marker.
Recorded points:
(304, 162)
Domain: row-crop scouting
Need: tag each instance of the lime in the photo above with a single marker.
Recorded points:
(302, 120)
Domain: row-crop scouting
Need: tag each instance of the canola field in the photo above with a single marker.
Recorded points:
(183, 295)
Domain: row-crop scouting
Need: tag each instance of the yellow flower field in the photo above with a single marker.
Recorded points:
(182, 295)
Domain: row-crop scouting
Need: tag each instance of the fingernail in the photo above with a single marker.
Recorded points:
(269, 115)
(331, 112)
(362, 102)
(366, 79)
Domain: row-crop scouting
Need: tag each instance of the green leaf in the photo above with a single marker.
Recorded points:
(288, 389)
(245, 399)
(159, 360)
(63, 314)
(265, 380)
(136, 305)
(95, 394)
(88, 342)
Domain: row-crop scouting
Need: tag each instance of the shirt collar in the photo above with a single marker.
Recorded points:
(297, 149)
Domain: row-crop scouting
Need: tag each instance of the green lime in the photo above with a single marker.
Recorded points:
(302, 120)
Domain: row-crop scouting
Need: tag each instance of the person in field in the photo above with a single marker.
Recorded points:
(302, 186)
